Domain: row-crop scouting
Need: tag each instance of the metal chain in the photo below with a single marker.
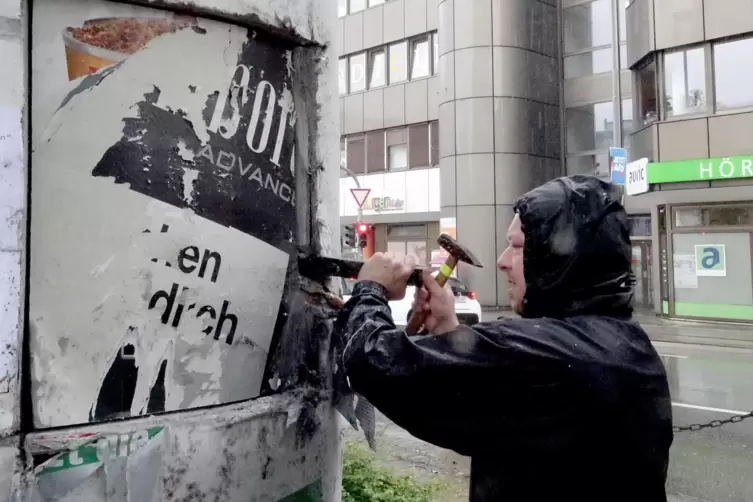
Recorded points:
(713, 424)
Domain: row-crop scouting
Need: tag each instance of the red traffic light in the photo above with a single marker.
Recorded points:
(362, 228)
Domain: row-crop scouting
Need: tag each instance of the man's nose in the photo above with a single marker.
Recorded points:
(502, 262)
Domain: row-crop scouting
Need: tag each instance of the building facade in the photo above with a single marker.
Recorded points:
(693, 109)
(514, 92)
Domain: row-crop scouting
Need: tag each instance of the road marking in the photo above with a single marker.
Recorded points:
(673, 355)
(706, 408)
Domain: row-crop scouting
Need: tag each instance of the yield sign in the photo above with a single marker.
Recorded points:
(360, 195)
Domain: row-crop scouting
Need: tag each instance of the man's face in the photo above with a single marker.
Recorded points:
(511, 263)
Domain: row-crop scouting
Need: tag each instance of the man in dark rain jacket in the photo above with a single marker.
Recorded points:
(569, 402)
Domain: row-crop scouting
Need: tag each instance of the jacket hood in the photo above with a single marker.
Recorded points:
(577, 253)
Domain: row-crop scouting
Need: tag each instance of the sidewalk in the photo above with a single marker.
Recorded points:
(735, 335)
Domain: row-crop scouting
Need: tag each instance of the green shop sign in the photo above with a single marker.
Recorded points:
(724, 168)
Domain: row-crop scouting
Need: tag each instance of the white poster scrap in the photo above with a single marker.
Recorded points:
(684, 270)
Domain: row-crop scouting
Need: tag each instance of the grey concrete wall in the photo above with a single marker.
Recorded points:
(499, 121)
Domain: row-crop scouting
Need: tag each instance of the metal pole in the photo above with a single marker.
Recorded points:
(360, 208)
(617, 84)
(616, 75)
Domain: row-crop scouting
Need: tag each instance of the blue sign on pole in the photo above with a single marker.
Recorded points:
(617, 165)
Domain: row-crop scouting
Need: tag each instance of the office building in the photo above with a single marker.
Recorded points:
(451, 109)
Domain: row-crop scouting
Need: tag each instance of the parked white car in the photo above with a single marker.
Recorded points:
(467, 307)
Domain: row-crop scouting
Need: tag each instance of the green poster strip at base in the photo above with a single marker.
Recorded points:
(312, 493)
(119, 445)
(723, 168)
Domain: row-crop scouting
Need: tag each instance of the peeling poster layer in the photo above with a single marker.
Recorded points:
(163, 210)
(232, 455)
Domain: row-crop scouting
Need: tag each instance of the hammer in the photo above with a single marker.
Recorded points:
(457, 253)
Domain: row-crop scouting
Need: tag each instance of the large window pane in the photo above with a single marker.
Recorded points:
(435, 39)
(356, 151)
(733, 74)
(712, 274)
(343, 75)
(378, 69)
(398, 157)
(590, 63)
(398, 62)
(589, 127)
(420, 63)
(684, 82)
(343, 157)
(372, 3)
(342, 8)
(357, 5)
(646, 93)
(623, 16)
(623, 57)
(375, 157)
(596, 165)
(418, 136)
(588, 25)
(358, 73)
(434, 143)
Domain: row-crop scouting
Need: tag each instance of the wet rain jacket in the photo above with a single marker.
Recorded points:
(569, 402)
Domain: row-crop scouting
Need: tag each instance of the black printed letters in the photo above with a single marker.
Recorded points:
(205, 265)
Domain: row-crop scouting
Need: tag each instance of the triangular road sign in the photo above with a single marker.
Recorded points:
(360, 195)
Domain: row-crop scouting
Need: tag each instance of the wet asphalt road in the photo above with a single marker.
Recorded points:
(712, 464)
(707, 382)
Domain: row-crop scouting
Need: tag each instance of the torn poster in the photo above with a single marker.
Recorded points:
(163, 211)
(124, 463)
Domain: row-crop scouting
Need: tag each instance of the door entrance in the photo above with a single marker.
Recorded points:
(642, 270)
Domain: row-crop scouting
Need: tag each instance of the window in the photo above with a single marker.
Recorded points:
(714, 216)
(398, 157)
(640, 226)
(597, 165)
(356, 152)
(589, 127)
(420, 59)
(435, 38)
(587, 25)
(357, 5)
(377, 69)
(373, 3)
(646, 92)
(358, 73)
(343, 75)
(397, 149)
(343, 156)
(581, 65)
(418, 135)
(398, 62)
(375, 160)
(342, 8)
(684, 82)
(434, 143)
(623, 19)
(623, 57)
(733, 71)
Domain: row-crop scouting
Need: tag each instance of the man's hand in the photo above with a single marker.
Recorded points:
(439, 302)
(392, 273)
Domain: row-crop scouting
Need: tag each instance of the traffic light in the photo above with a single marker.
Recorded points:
(363, 230)
(349, 236)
